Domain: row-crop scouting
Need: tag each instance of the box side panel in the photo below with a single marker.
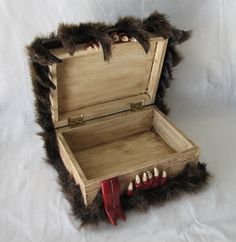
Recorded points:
(71, 164)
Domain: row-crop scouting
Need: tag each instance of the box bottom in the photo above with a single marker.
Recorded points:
(122, 154)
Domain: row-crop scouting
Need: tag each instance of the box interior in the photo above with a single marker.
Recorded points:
(123, 141)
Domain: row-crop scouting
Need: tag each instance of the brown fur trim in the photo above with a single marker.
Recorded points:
(71, 35)
(40, 54)
(157, 23)
(41, 73)
(192, 179)
(179, 36)
(134, 28)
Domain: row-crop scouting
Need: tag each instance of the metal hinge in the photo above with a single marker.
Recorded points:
(72, 122)
(136, 106)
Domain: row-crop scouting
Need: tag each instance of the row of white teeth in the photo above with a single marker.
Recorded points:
(115, 38)
(122, 38)
(145, 177)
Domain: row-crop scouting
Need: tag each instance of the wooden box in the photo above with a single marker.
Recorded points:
(105, 120)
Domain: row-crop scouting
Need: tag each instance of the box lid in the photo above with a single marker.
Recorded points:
(87, 87)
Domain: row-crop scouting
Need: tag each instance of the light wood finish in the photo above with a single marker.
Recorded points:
(71, 164)
(88, 85)
(159, 55)
(88, 80)
(121, 155)
(127, 144)
(99, 110)
(105, 130)
(175, 138)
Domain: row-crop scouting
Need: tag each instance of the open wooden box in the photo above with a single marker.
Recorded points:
(106, 123)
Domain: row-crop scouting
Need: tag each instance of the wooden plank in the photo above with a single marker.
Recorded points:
(88, 80)
(71, 164)
(72, 160)
(159, 56)
(170, 133)
(103, 109)
(105, 130)
(122, 155)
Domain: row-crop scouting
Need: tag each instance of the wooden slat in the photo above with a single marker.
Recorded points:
(155, 74)
(105, 130)
(122, 155)
(73, 161)
(103, 109)
(170, 133)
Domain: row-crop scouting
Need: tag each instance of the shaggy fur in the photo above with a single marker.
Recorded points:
(71, 35)
(134, 27)
(192, 179)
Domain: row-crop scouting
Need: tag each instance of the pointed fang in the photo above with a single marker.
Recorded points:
(137, 179)
(130, 187)
(164, 174)
(150, 176)
(156, 172)
(144, 178)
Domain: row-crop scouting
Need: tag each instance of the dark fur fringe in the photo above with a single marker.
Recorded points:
(192, 178)
(157, 23)
(40, 54)
(134, 27)
(72, 35)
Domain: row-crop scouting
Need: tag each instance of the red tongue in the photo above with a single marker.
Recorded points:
(111, 199)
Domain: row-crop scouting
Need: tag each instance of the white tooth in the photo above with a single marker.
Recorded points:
(115, 37)
(156, 172)
(150, 176)
(130, 187)
(124, 38)
(144, 177)
(137, 179)
(89, 48)
(133, 39)
(164, 174)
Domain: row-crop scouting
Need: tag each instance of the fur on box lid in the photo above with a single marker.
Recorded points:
(191, 179)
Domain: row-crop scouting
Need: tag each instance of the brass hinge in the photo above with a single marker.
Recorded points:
(136, 106)
(72, 122)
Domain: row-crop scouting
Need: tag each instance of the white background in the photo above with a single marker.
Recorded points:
(202, 101)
